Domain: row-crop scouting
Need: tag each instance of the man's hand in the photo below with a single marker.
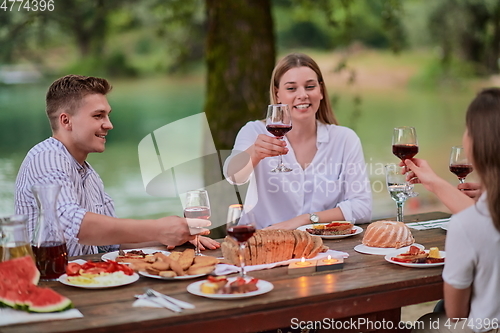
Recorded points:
(206, 243)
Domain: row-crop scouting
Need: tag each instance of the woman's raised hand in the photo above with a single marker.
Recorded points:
(267, 146)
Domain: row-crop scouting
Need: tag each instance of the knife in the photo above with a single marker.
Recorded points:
(178, 302)
(160, 301)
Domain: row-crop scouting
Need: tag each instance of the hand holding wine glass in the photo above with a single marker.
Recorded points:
(197, 206)
(278, 123)
(459, 164)
(241, 227)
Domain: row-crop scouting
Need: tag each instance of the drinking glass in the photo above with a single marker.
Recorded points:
(404, 142)
(240, 226)
(399, 189)
(278, 123)
(197, 207)
(459, 164)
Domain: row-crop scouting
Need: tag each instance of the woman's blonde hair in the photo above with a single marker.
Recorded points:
(325, 112)
(483, 127)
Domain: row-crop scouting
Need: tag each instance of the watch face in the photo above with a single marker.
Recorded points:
(314, 218)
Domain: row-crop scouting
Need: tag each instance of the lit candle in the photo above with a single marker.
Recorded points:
(302, 266)
(329, 260)
(303, 262)
(329, 264)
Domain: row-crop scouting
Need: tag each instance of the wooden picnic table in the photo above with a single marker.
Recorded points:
(367, 287)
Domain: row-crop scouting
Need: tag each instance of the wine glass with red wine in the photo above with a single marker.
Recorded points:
(404, 142)
(197, 207)
(459, 164)
(240, 226)
(405, 146)
(278, 123)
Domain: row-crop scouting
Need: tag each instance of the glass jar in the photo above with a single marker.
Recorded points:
(14, 241)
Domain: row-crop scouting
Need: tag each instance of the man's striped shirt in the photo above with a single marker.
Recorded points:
(82, 191)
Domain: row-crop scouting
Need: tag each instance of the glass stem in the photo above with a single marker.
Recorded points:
(399, 218)
(242, 259)
(281, 156)
(197, 246)
(461, 180)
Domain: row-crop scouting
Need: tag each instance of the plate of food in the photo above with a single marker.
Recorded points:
(98, 275)
(332, 230)
(132, 255)
(220, 287)
(382, 251)
(417, 258)
(176, 266)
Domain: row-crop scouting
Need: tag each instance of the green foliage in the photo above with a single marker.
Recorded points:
(330, 24)
(434, 75)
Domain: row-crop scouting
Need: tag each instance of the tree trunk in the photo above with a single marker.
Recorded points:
(240, 57)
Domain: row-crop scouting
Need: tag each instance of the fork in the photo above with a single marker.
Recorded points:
(185, 305)
(160, 301)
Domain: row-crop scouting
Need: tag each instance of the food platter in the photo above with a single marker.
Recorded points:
(262, 285)
(183, 277)
(127, 279)
(357, 229)
(113, 255)
(388, 257)
(382, 251)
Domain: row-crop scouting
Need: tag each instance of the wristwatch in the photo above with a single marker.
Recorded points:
(313, 218)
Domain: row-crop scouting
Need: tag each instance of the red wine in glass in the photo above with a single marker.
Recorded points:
(278, 123)
(197, 212)
(459, 164)
(461, 170)
(406, 151)
(278, 131)
(241, 232)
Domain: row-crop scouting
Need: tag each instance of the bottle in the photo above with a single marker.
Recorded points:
(47, 242)
(14, 242)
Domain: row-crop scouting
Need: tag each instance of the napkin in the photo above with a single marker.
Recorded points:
(431, 224)
(143, 302)
(11, 316)
(224, 269)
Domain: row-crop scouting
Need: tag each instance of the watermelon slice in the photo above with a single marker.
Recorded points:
(18, 291)
(23, 268)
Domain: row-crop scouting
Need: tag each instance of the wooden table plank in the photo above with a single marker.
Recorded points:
(367, 286)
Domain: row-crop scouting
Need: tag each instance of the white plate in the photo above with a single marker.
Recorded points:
(113, 255)
(128, 280)
(414, 265)
(264, 287)
(184, 277)
(382, 251)
(310, 226)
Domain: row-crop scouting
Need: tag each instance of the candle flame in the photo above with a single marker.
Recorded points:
(303, 259)
(329, 257)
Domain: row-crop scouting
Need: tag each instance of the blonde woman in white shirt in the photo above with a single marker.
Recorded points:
(328, 181)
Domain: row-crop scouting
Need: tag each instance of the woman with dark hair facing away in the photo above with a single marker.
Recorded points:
(472, 268)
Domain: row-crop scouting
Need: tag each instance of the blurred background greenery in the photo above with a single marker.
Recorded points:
(386, 63)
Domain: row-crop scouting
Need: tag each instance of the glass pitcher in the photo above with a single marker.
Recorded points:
(48, 243)
(14, 242)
